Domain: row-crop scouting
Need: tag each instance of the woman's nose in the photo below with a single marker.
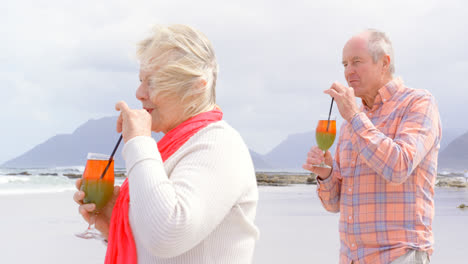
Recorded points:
(142, 92)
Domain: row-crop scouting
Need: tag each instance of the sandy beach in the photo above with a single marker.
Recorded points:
(39, 228)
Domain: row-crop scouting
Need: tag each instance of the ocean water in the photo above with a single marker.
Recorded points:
(52, 180)
(34, 180)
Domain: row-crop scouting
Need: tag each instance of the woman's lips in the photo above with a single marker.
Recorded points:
(149, 110)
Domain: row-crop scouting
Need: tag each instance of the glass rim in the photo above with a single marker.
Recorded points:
(325, 117)
(98, 156)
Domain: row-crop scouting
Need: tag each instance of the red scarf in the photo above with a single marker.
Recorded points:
(121, 248)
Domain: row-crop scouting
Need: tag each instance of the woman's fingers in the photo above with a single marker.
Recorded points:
(119, 123)
(121, 106)
(116, 191)
(86, 209)
(78, 197)
(78, 183)
(132, 122)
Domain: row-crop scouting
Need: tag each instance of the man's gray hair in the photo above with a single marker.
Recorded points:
(379, 45)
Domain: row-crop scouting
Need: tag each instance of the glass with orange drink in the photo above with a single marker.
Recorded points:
(97, 190)
(325, 134)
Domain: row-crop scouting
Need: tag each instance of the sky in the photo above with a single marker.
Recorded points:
(64, 62)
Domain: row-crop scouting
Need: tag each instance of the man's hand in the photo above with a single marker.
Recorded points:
(314, 158)
(345, 100)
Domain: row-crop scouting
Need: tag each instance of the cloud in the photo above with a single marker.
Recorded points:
(64, 62)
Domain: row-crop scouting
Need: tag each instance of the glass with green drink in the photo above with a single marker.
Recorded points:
(325, 134)
(97, 189)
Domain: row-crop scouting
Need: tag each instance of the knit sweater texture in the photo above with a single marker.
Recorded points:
(197, 207)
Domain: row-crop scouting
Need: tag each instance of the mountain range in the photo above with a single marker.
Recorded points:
(99, 136)
(455, 155)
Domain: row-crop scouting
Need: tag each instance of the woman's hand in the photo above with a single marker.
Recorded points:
(132, 122)
(314, 158)
(102, 220)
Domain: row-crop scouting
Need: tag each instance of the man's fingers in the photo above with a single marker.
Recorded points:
(328, 155)
(314, 161)
(332, 93)
(317, 170)
(121, 106)
(308, 167)
(337, 87)
(323, 172)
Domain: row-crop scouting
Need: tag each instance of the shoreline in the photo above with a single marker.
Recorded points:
(294, 228)
(280, 178)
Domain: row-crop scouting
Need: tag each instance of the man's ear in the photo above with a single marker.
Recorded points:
(385, 63)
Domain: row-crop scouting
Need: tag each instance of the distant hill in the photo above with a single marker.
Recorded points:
(291, 153)
(448, 135)
(259, 162)
(98, 136)
(455, 155)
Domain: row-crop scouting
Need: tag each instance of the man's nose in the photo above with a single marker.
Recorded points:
(348, 70)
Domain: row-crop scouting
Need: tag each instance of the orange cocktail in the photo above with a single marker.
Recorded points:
(97, 190)
(325, 134)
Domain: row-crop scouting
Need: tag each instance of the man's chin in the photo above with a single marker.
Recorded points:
(357, 91)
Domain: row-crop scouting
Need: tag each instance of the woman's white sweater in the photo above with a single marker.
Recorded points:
(197, 207)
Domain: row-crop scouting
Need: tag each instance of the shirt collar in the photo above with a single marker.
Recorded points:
(385, 93)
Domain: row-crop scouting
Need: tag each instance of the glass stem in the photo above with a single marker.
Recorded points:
(322, 164)
(92, 220)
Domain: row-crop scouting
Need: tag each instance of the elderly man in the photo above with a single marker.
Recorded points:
(382, 177)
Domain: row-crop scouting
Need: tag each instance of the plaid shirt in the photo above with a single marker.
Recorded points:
(383, 176)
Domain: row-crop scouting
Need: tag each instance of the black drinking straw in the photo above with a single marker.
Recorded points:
(111, 157)
(329, 113)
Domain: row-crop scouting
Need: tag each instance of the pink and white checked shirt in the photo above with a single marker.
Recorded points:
(383, 176)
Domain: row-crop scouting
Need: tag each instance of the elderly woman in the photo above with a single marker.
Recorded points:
(192, 197)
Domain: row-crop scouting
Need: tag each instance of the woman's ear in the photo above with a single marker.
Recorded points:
(202, 83)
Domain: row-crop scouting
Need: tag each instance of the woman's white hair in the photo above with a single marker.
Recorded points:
(379, 45)
(181, 62)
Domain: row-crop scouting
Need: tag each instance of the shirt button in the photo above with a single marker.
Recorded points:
(349, 190)
(352, 245)
(349, 217)
(384, 100)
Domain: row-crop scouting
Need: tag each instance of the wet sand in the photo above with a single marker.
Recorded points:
(39, 228)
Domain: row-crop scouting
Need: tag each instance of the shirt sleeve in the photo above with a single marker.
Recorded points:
(171, 216)
(329, 190)
(395, 159)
